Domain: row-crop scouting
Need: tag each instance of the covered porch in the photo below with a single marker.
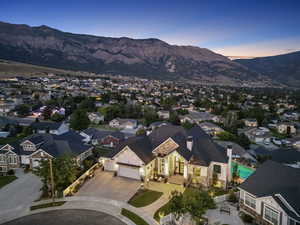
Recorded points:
(172, 167)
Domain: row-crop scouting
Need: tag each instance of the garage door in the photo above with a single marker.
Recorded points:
(130, 172)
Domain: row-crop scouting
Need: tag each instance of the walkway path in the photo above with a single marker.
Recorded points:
(162, 187)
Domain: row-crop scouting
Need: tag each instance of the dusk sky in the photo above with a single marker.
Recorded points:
(232, 28)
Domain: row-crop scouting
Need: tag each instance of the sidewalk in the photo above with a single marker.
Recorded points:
(111, 207)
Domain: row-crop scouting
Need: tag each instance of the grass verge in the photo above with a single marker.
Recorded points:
(4, 180)
(144, 197)
(133, 217)
(47, 205)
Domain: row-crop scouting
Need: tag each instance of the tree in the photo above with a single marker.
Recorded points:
(176, 204)
(193, 201)
(22, 110)
(64, 173)
(56, 117)
(141, 132)
(88, 104)
(174, 119)
(187, 125)
(47, 112)
(79, 120)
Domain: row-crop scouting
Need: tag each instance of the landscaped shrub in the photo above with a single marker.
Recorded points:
(26, 169)
(11, 172)
(246, 218)
(232, 197)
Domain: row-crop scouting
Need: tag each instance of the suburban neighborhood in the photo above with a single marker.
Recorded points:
(149, 150)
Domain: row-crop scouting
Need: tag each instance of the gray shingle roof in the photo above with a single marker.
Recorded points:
(204, 150)
(273, 178)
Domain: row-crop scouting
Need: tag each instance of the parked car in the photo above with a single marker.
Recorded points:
(276, 141)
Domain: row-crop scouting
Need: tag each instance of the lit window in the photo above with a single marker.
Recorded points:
(271, 215)
(197, 172)
(250, 201)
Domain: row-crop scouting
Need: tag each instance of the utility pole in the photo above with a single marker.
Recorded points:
(52, 180)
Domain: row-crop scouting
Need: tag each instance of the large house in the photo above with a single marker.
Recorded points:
(170, 151)
(43, 146)
(272, 195)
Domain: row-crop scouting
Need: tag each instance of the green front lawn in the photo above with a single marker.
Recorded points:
(4, 180)
(133, 217)
(144, 197)
(46, 205)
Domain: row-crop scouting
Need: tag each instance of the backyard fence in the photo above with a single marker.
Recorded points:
(74, 187)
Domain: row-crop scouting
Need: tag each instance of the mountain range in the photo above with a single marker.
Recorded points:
(282, 68)
(150, 58)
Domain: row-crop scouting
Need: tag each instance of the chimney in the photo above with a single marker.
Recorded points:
(229, 154)
(229, 151)
(189, 143)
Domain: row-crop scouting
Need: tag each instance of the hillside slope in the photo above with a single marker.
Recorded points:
(150, 58)
(283, 68)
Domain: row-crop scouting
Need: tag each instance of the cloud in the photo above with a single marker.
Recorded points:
(262, 48)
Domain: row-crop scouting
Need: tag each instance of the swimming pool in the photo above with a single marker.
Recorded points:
(243, 171)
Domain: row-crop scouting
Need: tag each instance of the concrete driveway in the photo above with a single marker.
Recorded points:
(18, 195)
(105, 185)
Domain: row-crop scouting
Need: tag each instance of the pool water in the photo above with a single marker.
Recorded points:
(243, 171)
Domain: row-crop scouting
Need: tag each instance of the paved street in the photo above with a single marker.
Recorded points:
(19, 194)
(68, 217)
(105, 185)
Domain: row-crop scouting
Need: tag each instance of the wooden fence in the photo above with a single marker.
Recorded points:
(74, 187)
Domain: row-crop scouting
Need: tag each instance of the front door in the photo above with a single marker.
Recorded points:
(179, 166)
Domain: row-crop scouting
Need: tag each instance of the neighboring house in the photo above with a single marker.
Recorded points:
(171, 151)
(250, 122)
(157, 124)
(50, 127)
(211, 128)
(254, 134)
(9, 158)
(286, 128)
(95, 117)
(197, 117)
(272, 195)
(103, 137)
(123, 123)
(164, 114)
(289, 157)
(24, 122)
(36, 147)
(237, 150)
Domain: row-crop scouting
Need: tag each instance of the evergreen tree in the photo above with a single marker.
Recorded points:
(79, 120)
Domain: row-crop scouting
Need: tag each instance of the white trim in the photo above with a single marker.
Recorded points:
(251, 196)
(5, 146)
(154, 150)
(287, 204)
(125, 149)
(40, 151)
